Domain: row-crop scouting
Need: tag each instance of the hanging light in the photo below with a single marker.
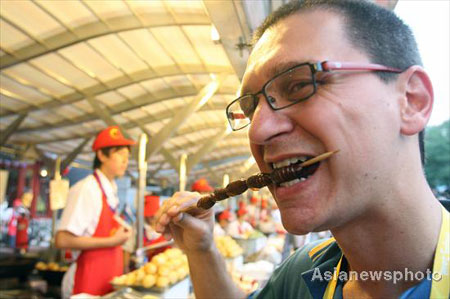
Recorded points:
(43, 172)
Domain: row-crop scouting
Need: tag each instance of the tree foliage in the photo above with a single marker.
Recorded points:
(437, 153)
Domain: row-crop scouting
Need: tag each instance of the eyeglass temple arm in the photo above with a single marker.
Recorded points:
(328, 66)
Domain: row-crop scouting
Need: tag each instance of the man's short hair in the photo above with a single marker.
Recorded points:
(377, 31)
(106, 151)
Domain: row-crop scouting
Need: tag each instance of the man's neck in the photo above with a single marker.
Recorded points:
(107, 174)
(400, 234)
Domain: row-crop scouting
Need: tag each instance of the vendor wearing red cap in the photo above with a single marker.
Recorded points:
(240, 228)
(253, 210)
(222, 222)
(201, 186)
(151, 237)
(87, 223)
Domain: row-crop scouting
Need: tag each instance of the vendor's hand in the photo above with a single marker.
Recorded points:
(192, 230)
(121, 236)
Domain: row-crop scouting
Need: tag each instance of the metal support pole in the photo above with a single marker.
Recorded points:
(142, 165)
(183, 173)
(56, 177)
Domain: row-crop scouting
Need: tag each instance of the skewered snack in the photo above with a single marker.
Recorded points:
(280, 175)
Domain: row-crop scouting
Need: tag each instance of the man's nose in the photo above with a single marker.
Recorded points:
(267, 123)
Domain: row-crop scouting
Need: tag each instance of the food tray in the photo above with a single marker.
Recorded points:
(142, 289)
(177, 290)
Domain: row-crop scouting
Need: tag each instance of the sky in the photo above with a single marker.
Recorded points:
(429, 21)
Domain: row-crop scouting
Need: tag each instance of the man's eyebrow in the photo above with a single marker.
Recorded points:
(275, 70)
(284, 66)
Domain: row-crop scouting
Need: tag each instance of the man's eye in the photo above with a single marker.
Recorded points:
(298, 86)
(300, 90)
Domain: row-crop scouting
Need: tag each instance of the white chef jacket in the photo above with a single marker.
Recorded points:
(236, 229)
(81, 215)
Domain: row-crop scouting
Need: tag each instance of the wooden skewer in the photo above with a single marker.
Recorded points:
(279, 175)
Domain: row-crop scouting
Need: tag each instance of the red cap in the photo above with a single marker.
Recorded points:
(241, 205)
(151, 205)
(242, 211)
(110, 136)
(201, 185)
(225, 215)
(253, 199)
(264, 203)
(17, 202)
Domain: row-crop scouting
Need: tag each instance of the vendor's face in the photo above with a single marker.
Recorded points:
(355, 113)
(223, 223)
(116, 163)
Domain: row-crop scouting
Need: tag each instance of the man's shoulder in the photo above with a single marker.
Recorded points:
(86, 185)
(306, 257)
(86, 181)
(287, 281)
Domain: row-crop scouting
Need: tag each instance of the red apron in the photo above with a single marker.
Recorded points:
(97, 267)
(22, 232)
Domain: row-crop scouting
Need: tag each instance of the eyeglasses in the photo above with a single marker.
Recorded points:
(290, 87)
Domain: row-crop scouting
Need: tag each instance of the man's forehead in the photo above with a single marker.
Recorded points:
(296, 39)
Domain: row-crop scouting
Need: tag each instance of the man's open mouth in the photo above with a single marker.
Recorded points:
(291, 165)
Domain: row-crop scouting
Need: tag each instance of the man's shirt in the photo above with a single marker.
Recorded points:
(319, 270)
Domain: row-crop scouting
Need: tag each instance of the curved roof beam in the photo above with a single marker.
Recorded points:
(231, 143)
(207, 147)
(240, 155)
(169, 129)
(5, 134)
(133, 103)
(111, 85)
(183, 131)
(69, 38)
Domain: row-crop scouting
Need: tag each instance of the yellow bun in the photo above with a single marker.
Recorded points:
(130, 279)
(41, 266)
(177, 262)
(163, 270)
(159, 259)
(53, 267)
(181, 273)
(150, 268)
(173, 277)
(162, 282)
(149, 281)
(169, 253)
(140, 274)
(119, 280)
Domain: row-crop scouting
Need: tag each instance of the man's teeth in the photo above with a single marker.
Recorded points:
(290, 183)
(289, 161)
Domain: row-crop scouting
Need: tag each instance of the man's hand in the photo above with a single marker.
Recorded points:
(121, 236)
(193, 230)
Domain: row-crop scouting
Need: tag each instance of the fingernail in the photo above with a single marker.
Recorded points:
(173, 210)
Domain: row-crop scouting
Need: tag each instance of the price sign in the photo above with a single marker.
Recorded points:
(59, 189)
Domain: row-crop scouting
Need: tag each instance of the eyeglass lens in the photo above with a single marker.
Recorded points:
(283, 90)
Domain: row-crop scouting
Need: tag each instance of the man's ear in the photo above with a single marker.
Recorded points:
(417, 102)
(101, 156)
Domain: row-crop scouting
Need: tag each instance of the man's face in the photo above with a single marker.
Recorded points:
(355, 113)
(117, 162)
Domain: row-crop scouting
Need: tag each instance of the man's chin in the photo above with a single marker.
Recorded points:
(295, 224)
